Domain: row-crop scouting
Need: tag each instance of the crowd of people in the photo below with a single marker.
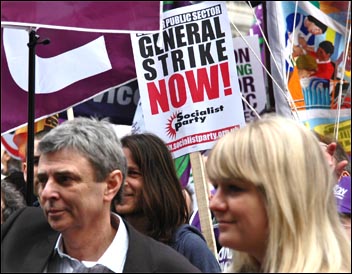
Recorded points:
(279, 193)
(107, 204)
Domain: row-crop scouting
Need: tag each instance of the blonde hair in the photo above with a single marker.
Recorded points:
(284, 161)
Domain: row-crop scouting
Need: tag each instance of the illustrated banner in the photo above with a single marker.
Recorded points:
(313, 63)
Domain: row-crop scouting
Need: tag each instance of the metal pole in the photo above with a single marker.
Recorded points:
(33, 42)
(33, 38)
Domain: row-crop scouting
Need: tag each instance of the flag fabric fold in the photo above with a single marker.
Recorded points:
(92, 16)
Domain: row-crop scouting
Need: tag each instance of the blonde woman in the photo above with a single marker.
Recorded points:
(274, 201)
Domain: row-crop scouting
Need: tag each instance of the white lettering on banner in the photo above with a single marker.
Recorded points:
(123, 96)
(340, 192)
(58, 72)
(204, 137)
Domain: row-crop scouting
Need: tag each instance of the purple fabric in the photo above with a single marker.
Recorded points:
(14, 99)
(115, 15)
(103, 15)
(119, 104)
(342, 193)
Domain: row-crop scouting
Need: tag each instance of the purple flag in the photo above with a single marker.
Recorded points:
(100, 16)
(118, 104)
(73, 68)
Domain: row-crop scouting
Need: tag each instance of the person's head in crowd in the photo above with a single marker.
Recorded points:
(81, 170)
(20, 137)
(274, 200)
(11, 199)
(153, 200)
(37, 137)
(342, 193)
(306, 65)
(188, 193)
(16, 179)
(9, 163)
(315, 26)
(155, 203)
(74, 153)
(325, 50)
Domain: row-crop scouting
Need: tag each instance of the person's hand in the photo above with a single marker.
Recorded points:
(329, 155)
(302, 42)
(297, 51)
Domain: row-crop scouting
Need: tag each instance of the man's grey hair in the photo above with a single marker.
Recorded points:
(94, 139)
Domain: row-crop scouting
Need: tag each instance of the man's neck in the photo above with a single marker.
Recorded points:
(89, 245)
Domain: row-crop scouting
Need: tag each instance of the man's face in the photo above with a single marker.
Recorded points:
(4, 158)
(71, 198)
(35, 167)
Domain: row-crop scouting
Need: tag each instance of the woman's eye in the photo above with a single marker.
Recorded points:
(233, 188)
(134, 173)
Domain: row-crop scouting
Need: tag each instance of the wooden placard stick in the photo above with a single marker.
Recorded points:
(202, 194)
(70, 115)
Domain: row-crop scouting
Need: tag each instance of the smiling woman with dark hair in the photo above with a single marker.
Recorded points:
(154, 202)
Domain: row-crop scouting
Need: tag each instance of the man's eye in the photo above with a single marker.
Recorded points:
(42, 179)
(36, 160)
(61, 179)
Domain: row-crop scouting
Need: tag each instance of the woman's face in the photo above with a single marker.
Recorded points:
(239, 209)
(132, 195)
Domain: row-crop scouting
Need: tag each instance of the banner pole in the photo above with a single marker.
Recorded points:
(33, 42)
(31, 116)
(202, 194)
(70, 115)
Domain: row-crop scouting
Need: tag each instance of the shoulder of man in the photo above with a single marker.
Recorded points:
(27, 219)
(26, 237)
(148, 255)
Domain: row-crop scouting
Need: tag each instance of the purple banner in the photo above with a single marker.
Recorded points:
(73, 68)
(101, 16)
(118, 104)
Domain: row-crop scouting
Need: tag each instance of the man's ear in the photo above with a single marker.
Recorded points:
(24, 170)
(113, 184)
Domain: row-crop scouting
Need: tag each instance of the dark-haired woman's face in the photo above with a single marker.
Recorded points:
(131, 199)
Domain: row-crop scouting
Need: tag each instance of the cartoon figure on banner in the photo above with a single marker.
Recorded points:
(300, 35)
(304, 31)
(325, 66)
(319, 65)
(315, 70)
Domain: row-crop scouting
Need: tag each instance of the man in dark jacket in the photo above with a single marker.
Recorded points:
(81, 169)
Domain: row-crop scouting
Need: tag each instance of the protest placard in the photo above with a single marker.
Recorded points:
(187, 78)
